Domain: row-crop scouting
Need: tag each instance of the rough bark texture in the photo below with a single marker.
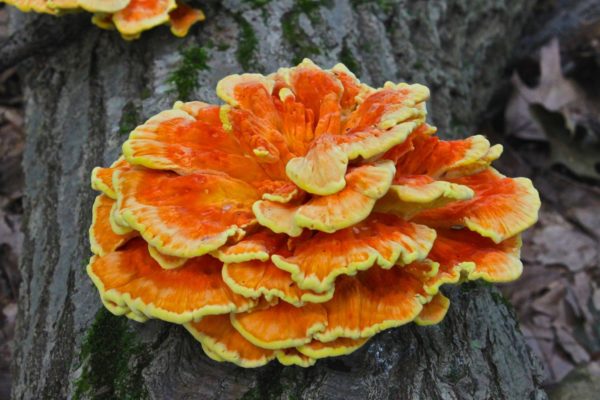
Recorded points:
(84, 96)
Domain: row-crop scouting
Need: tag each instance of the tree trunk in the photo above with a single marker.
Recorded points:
(86, 92)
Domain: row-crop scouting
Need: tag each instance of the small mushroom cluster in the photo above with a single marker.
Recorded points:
(304, 216)
(129, 17)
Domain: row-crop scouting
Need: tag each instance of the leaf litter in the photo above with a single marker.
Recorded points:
(552, 130)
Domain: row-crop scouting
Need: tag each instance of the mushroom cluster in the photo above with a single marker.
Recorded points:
(129, 17)
(304, 216)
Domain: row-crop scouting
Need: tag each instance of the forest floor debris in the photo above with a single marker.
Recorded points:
(550, 125)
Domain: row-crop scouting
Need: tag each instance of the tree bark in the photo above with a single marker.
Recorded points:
(86, 93)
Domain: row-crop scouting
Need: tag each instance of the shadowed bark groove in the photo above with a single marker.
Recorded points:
(82, 99)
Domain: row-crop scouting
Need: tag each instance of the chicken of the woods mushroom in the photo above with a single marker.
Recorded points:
(302, 217)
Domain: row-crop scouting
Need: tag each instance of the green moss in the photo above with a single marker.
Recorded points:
(476, 344)
(257, 3)
(146, 93)
(347, 58)
(386, 5)
(499, 299)
(456, 373)
(247, 44)
(185, 77)
(308, 7)
(301, 45)
(222, 47)
(466, 287)
(252, 394)
(129, 119)
(112, 361)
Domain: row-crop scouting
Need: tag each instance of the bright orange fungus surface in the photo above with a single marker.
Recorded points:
(129, 17)
(304, 216)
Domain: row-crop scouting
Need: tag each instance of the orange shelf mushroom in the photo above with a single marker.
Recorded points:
(129, 17)
(304, 216)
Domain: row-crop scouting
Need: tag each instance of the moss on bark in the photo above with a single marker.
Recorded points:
(111, 361)
(185, 77)
(247, 44)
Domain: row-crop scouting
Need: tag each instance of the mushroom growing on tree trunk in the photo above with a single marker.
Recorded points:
(87, 89)
(310, 213)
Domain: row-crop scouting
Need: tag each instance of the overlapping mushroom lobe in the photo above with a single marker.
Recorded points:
(129, 17)
(187, 215)
(130, 278)
(300, 218)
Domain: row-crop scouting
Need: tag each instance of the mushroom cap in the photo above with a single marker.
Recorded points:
(434, 311)
(184, 215)
(129, 277)
(302, 217)
(103, 239)
(129, 17)
(182, 18)
(216, 333)
(382, 240)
